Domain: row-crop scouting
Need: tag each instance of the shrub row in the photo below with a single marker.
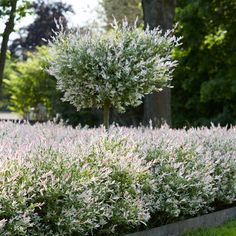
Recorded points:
(56, 180)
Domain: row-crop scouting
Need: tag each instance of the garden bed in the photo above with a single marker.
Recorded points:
(56, 180)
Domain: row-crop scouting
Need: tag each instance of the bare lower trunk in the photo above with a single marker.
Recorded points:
(157, 106)
(106, 115)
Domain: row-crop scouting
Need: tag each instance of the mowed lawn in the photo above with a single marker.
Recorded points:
(228, 229)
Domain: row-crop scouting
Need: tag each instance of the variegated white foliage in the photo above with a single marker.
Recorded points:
(55, 180)
(119, 67)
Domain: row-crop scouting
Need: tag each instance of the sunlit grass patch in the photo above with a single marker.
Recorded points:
(228, 229)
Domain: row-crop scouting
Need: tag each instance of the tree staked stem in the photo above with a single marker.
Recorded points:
(106, 115)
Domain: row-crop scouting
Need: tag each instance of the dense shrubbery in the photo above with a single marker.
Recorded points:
(63, 181)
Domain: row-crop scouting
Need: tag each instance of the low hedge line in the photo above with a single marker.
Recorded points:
(56, 180)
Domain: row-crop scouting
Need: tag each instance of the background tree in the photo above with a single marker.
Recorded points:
(120, 9)
(9, 10)
(114, 70)
(30, 86)
(205, 80)
(33, 91)
(41, 30)
(157, 106)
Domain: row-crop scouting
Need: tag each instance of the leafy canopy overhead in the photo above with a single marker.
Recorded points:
(5, 8)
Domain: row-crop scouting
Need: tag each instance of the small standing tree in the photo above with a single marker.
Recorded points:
(115, 69)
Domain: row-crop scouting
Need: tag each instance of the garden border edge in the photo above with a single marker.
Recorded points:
(178, 228)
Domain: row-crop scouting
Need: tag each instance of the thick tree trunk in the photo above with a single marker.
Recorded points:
(157, 106)
(5, 38)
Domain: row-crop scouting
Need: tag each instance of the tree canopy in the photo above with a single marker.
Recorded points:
(112, 70)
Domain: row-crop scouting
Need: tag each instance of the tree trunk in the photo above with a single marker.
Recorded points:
(106, 115)
(157, 106)
(5, 38)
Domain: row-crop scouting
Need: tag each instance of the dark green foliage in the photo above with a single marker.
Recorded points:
(205, 80)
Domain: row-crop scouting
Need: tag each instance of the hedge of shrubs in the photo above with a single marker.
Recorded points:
(55, 180)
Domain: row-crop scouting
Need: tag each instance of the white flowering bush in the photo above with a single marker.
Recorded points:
(56, 180)
(112, 70)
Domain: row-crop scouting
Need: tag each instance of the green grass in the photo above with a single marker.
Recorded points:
(228, 229)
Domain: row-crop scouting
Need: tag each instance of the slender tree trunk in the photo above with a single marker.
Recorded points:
(106, 115)
(157, 106)
(5, 38)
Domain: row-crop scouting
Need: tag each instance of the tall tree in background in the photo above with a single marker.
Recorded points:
(9, 10)
(43, 26)
(157, 106)
(120, 9)
(205, 80)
